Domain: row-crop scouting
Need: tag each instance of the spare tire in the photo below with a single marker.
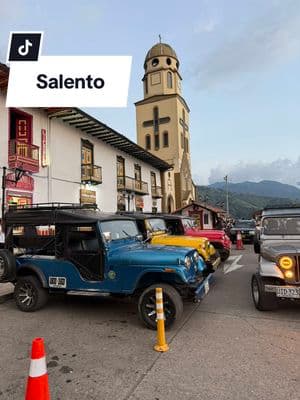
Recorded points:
(7, 266)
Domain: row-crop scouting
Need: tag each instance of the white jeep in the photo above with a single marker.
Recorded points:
(278, 246)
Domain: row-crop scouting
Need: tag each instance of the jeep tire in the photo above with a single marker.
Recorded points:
(7, 266)
(173, 305)
(224, 253)
(29, 294)
(263, 301)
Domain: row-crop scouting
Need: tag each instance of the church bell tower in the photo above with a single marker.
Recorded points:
(162, 119)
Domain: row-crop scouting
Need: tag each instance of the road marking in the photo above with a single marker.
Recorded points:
(234, 265)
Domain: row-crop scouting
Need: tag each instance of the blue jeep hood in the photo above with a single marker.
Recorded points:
(139, 254)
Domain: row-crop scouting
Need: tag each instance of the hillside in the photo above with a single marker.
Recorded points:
(263, 188)
(241, 205)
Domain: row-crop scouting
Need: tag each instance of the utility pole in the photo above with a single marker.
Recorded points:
(227, 199)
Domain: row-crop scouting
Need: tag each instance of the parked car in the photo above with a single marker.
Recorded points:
(80, 251)
(183, 225)
(247, 229)
(154, 229)
(278, 243)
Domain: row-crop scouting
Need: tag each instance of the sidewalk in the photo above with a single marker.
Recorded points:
(6, 291)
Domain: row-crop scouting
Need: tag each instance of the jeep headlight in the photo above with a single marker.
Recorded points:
(196, 256)
(286, 262)
(187, 262)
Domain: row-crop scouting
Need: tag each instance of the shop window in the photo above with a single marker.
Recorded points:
(20, 126)
(166, 139)
(148, 142)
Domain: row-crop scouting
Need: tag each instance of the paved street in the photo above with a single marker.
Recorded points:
(97, 349)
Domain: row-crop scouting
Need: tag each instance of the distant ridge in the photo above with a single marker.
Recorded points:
(263, 188)
(243, 205)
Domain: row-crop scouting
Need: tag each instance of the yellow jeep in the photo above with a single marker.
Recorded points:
(154, 228)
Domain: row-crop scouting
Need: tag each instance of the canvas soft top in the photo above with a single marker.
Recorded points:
(53, 214)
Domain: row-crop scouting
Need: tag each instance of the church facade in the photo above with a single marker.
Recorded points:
(162, 121)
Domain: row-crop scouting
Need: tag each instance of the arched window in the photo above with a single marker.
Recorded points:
(187, 145)
(148, 142)
(182, 140)
(156, 141)
(166, 139)
(169, 80)
(156, 121)
(146, 85)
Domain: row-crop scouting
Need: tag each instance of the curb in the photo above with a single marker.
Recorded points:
(5, 294)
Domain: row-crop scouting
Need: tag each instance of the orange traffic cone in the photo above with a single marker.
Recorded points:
(239, 241)
(37, 384)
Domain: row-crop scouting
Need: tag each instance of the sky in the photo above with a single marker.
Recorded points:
(239, 60)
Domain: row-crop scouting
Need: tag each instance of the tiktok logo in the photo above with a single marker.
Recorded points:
(23, 50)
(24, 46)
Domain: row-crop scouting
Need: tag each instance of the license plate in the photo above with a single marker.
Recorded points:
(293, 293)
(206, 287)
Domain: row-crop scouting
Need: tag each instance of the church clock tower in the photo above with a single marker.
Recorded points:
(162, 119)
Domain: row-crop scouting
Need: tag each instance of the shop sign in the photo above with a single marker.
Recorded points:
(87, 196)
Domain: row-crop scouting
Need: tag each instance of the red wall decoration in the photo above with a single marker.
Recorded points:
(25, 183)
(44, 160)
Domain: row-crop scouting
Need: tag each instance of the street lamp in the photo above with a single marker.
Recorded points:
(19, 173)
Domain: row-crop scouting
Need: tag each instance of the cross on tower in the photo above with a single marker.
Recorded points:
(156, 121)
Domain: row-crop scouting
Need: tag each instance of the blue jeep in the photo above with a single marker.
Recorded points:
(81, 251)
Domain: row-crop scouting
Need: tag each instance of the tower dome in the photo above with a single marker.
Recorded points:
(161, 49)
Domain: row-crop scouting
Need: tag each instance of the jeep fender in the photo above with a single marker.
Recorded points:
(30, 269)
(268, 268)
(149, 278)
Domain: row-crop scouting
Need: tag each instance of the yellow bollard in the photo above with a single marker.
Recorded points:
(161, 344)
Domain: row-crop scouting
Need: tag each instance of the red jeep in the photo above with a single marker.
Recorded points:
(186, 226)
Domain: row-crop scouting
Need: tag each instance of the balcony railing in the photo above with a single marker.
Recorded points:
(23, 155)
(91, 173)
(132, 185)
(156, 192)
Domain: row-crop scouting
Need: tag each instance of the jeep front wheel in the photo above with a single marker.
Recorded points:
(173, 305)
(263, 301)
(29, 294)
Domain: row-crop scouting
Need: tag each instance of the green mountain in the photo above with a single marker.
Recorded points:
(263, 188)
(241, 205)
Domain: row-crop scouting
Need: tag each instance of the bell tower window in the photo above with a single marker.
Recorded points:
(156, 141)
(169, 80)
(148, 142)
(166, 139)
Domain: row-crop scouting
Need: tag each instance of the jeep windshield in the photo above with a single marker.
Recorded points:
(244, 225)
(189, 223)
(156, 225)
(281, 226)
(118, 229)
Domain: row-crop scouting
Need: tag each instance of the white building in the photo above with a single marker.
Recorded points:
(72, 157)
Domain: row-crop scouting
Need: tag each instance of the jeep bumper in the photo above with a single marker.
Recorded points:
(213, 263)
(202, 288)
(284, 291)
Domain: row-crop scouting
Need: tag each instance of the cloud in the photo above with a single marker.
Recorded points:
(271, 38)
(206, 26)
(281, 170)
